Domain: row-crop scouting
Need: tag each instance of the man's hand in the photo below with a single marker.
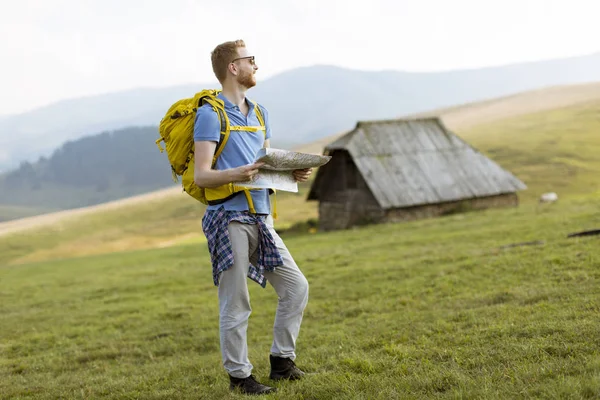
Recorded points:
(245, 173)
(302, 175)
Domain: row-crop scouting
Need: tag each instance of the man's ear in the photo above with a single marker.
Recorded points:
(232, 68)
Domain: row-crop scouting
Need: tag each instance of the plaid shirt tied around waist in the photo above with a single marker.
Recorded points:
(215, 226)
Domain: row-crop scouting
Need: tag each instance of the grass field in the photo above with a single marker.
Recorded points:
(431, 309)
(119, 303)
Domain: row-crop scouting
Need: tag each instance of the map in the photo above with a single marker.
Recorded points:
(277, 173)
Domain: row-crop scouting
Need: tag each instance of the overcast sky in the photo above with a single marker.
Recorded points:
(56, 49)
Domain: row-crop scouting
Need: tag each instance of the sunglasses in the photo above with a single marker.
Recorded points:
(251, 58)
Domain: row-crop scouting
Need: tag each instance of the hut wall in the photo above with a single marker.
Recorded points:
(435, 210)
(359, 210)
(355, 210)
(345, 199)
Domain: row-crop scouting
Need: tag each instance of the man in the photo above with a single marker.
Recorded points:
(244, 244)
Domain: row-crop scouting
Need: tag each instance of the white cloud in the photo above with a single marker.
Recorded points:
(55, 49)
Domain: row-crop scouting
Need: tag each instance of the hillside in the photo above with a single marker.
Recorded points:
(58, 217)
(161, 219)
(306, 104)
(444, 308)
(553, 150)
(466, 116)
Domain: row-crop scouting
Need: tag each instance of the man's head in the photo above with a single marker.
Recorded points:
(231, 61)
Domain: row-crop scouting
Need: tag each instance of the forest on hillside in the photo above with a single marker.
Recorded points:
(90, 170)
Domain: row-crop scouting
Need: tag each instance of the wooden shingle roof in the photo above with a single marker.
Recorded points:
(415, 162)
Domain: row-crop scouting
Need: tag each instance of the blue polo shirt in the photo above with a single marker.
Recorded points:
(240, 149)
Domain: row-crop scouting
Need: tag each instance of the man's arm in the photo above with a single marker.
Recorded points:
(206, 177)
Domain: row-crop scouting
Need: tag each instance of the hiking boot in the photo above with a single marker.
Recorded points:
(249, 385)
(284, 368)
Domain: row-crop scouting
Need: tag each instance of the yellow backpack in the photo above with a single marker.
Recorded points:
(177, 132)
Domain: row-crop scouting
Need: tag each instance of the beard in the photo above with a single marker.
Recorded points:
(247, 79)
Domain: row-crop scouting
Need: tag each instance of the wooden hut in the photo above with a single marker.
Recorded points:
(400, 170)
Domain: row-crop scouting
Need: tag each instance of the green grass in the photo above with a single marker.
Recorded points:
(430, 309)
(436, 308)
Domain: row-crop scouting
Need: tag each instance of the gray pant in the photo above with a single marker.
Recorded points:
(234, 301)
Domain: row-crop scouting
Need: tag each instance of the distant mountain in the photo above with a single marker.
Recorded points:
(305, 104)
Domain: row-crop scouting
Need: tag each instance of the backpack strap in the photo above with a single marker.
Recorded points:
(219, 108)
(224, 136)
(246, 128)
(260, 116)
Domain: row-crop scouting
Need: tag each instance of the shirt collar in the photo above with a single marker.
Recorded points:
(229, 105)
